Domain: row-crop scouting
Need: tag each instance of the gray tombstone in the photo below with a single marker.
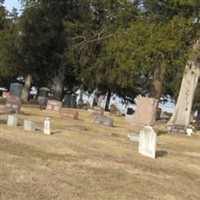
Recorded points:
(147, 142)
(43, 95)
(73, 101)
(16, 89)
(12, 120)
(29, 126)
(67, 100)
(104, 121)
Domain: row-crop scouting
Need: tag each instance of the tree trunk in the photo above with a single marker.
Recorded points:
(182, 113)
(58, 84)
(108, 100)
(158, 79)
(26, 88)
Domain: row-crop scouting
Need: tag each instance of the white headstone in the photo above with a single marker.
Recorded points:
(29, 125)
(47, 126)
(147, 142)
(12, 120)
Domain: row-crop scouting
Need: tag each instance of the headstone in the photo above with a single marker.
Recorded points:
(13, 103)
(70, 113)
(12, 120)
(67, 100)
(43, 95)
(178, 128)
(47, 126)
(29, 125)
(73, 101)
(53, 105)
(104, 121)
(147, 142)
(145, 114)
(97, 110)
(16, 89)
(134, 137)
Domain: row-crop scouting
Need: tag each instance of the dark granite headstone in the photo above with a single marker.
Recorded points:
(178, 128)
(67, 100)
(73, 101)
(43, 95)
(16, 89)
(53, 105)
(104, 121)
(13, 103)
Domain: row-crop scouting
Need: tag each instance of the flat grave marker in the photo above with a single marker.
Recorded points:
(104, 121)
(70, 113)
(97, 110)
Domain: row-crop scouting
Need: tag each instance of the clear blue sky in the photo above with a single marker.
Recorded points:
(9, 4)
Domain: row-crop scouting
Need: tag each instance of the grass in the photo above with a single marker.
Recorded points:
(83, 161)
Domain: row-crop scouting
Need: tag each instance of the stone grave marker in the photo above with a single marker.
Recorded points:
(53, 105)
(12, 120)
(13, 103)
(145, 114)
(104, 121)
(70, 113)
(29, 126)
(178, 128)
(47, 126)
(147, 142)
(16, 89)
(97, 110)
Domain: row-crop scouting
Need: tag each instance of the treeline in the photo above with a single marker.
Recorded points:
(127, 47)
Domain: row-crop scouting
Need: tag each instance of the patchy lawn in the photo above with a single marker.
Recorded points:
(82, 160)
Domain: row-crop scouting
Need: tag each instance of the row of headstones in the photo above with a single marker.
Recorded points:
(30, 125)
(56, 106)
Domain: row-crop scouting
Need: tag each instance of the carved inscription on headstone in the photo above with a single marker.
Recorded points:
(178, 128)
(147, 142)
(70, 113)
(13, 103)
(53, 105)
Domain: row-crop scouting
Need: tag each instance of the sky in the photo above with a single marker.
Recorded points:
(9, 4)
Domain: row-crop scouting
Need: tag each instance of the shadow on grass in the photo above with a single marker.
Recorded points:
(161, 154)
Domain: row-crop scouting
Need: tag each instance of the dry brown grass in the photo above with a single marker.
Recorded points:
(82, 160)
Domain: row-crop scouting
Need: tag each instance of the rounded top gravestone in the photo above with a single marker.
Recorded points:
(16, 89)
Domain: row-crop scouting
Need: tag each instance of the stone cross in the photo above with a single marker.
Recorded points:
(147, 142)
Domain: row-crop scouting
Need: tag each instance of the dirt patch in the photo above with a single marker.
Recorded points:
(83, 160)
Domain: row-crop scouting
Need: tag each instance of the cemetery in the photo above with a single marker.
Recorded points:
(100, 100)
(69, 153)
